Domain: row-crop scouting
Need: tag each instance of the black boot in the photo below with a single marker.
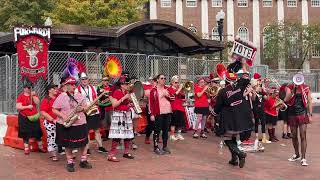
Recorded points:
(241, 155)
(234, 157)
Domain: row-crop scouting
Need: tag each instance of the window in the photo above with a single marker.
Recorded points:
(243, 33)
(267, 3)
(292, 3)
(216, 3)
(293, 45)
(242, 3)
(316, 50)
(165, 3)
(192, 29)
(215, 34)
(191, 3)
(315, 3)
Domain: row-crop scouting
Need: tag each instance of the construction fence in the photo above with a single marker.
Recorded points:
(141, 66)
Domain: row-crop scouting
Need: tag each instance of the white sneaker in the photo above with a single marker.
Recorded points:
(173, 138)
(74, 150)
(134, 146)
(304, 162)
(256, 145)
(179, 137)
(294, 158)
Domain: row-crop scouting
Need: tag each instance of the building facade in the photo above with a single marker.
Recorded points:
(245, 18)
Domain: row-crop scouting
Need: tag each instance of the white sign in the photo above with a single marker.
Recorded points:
(243, 50)
(24, 31)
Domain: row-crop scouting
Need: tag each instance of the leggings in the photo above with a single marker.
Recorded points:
(150, 126)
(261, 120)
(162, 122)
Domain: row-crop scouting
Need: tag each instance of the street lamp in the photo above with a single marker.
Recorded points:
(219, 18)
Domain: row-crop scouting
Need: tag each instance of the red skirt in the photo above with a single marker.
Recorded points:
(298, 120)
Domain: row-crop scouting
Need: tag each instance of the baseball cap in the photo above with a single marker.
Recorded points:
(83, 75)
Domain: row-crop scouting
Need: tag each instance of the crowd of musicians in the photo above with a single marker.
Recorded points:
(240, 103)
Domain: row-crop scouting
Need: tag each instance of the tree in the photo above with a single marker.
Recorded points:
(23, 12)
(291, 42)
(97, 13)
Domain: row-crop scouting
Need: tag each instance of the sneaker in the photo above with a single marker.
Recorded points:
(85, 165)
(102, 150)
(248, 142)
(147, 141)
(70, 167)
(239, 142)
(179, 137)
(289, 135)
(76, 150)
(285, 136)
(88, 152)
(55, 158)
(294, 158)
(173, 138)
(158, 151)
(61, 152)
(134, 146)
(203, 135)
(166, 150)
(26, 151)
(304, 162)
(195, 135)
(265, 141)
(128, 156)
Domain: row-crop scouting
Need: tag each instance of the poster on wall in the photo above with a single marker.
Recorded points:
(243, 50)
(32, 45)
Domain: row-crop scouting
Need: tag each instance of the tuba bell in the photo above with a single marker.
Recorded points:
(187, 87)
(213, 90)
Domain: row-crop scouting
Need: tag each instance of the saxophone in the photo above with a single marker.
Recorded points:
(73, 116)
(93, 108)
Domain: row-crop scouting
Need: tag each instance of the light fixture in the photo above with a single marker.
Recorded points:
(220, 15)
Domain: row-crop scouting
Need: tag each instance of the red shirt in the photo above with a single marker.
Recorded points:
(124, 106)
(25, 101)
(108, 88)
(268, 104)
(201, 101)
(46, 106)
(176, 104)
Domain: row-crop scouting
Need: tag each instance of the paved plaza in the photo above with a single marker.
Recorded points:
(190, 159)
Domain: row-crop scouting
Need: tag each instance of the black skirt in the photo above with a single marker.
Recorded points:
(177, 119)
(93, 122)
(72, 137)
(283, 115)
(271, 119)
(236, 119)
(202, 110)
(28, 129)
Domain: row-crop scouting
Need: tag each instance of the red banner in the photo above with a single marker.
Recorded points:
(33, 57)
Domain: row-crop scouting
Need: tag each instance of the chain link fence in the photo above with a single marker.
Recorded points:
(141, 66)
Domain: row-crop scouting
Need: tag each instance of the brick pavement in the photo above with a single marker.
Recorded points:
(190, 159)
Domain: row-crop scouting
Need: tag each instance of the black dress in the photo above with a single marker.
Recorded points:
(234, 109)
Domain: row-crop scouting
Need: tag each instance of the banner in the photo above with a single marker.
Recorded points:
(32, 47)
(243, 50)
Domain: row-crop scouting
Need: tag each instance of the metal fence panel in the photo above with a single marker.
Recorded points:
(5, 63)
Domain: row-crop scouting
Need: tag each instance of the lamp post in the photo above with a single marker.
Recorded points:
(219, 18)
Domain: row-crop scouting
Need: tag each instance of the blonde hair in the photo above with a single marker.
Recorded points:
(175, 78)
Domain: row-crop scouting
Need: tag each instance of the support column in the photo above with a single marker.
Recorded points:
(179, 12)
(256, 29)
(153, 9)
(230, 20)
(204, 19)
(305, 21)
(280, 13)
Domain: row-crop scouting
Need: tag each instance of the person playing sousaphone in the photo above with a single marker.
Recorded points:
(68, 105)
(28, 118)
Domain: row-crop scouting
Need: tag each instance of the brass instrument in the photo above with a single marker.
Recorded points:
(73, 116)
(188, 88)
(93, 108)
(136, 94)
(213, 90)
(281, 105)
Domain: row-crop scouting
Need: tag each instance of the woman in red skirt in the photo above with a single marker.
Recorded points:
(299, 101)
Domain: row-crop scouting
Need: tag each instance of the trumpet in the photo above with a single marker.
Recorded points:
(213, 90)
(281, 105)
(187, 87)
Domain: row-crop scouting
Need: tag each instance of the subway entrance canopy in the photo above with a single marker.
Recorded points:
(145, 37)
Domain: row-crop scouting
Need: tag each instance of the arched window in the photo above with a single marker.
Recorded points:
(215, 34)
(243, 33)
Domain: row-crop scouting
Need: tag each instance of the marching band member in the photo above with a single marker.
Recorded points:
(160, 109)
(201, 107)
(75, 136)
(177, 121)
(258, 98)
(150, 125)
(104, 103)
(300, 109)
(50, 119)
(28, 118)
(121, 122)
(270, 109)
(283, 115)
(235, 115)
(93, 120)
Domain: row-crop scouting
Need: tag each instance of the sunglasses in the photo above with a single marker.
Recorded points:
(163, 78)
(84, 79)
(175, 82)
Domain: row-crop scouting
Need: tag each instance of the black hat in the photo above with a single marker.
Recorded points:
(50, 86)
(125, 73)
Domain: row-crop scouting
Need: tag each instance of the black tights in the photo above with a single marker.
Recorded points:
(303, 139)
(162, 123)
(263, 125)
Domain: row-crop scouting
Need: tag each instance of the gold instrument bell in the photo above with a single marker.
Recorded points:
(187, 87)
(213, 90)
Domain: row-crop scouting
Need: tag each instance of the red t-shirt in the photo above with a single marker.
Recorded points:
(176, 105)
(268, 104)
(124, 106)
(46, 106)
(108, 108)
(25, 101)
(201, 101)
